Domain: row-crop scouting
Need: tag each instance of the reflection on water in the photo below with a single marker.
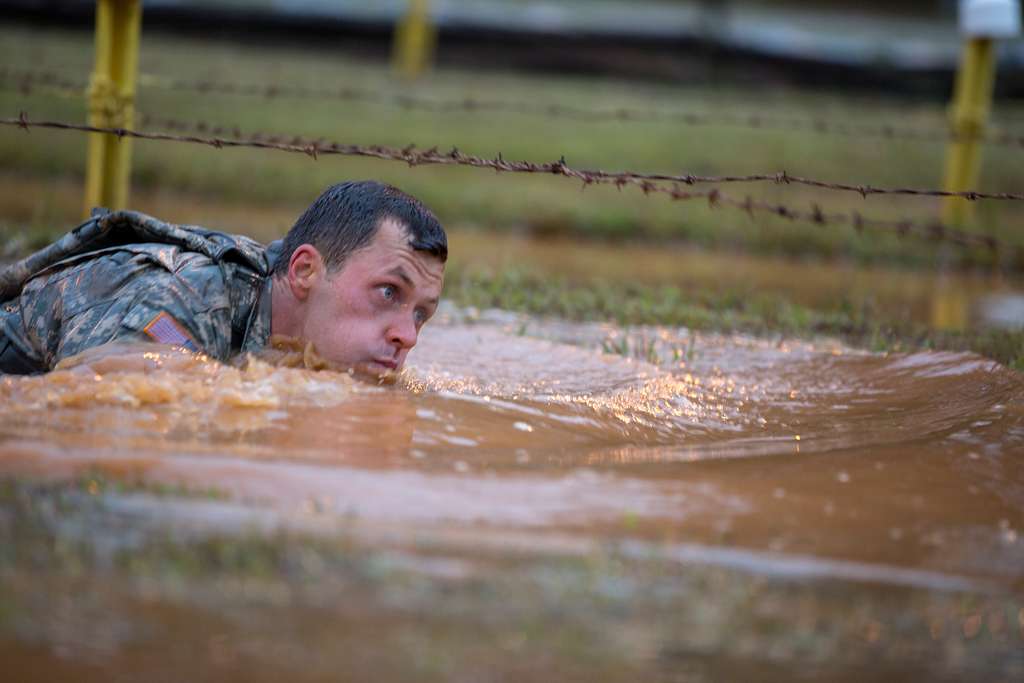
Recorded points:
(951, 308)
(778, 458)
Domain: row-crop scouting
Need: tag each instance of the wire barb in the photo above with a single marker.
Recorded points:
(647, 183)
(26, 81)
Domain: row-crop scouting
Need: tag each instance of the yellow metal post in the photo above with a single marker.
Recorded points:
(112, 102)
(972, 101)
(414, 42)
(982, 22)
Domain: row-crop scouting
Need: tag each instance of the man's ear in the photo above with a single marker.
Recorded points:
(304, 268)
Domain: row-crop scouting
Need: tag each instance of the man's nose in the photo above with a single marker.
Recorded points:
(402, 332)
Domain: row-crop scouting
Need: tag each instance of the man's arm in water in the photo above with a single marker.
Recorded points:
(176, 298)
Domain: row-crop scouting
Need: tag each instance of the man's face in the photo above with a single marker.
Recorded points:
(368, 315)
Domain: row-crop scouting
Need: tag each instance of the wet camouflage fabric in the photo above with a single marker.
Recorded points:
(215, 286)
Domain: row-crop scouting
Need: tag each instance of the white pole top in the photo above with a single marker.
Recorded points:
(990, 18)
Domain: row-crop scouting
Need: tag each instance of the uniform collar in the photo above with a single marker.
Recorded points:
(257, 330)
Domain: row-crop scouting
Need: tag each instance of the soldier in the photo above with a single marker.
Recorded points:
(358, 275)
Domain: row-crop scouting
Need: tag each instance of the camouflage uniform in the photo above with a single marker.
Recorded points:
(125, 276)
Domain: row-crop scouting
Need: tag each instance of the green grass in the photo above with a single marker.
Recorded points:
(542, 204)
(705, 309)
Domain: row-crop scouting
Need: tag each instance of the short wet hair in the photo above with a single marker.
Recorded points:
(346, 217)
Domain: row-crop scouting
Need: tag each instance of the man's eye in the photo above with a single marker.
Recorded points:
(389, 292)
(420, 316)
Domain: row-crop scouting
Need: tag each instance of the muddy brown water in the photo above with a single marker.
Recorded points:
(722, 506)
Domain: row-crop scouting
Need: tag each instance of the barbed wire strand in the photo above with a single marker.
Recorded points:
(759, 121)
(780, 177)
(412, 156)
(75, 92)
(27, 82)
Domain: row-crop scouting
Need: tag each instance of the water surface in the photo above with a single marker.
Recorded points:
(892, 483)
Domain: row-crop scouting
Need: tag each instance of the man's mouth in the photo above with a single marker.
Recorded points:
(379, 370)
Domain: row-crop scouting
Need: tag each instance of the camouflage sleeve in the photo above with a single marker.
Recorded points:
(16, 355)
(169, 296)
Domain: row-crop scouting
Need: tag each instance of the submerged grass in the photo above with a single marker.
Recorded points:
(272, 606)
(97, 481)
(760, 314)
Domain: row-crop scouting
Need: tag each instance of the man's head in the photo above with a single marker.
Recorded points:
(360, 273)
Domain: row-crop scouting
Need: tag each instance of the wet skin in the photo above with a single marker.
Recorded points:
(368, 315)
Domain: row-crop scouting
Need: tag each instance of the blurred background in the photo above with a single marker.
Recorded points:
(841, 91)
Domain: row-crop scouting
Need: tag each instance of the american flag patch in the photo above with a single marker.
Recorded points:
(166, 330)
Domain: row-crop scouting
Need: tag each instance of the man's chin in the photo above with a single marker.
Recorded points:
(376, 372)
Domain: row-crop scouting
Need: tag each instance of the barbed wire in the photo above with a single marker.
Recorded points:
(753, 121)
(500, 164)
(28, 81)
(55, 91)
(933, 231)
